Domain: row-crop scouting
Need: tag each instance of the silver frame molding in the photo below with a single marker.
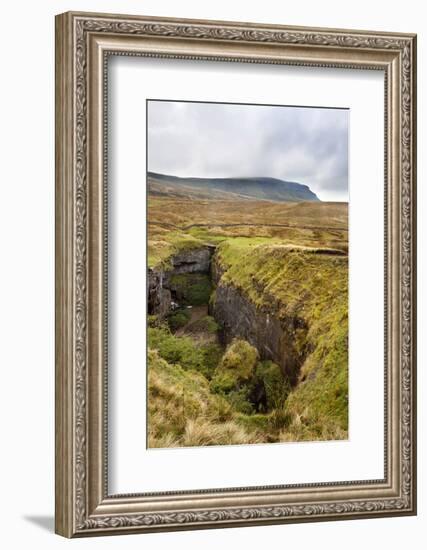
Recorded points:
(83, 43)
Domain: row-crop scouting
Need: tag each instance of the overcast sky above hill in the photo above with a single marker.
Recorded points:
(306, 145)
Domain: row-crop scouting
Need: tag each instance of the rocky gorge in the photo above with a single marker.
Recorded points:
(256, 329)
(248, 319)
(277, 339)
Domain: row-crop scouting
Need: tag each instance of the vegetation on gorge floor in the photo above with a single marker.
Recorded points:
(191, 288)
(187, 408)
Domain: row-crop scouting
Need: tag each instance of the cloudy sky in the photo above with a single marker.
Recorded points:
(306, 145)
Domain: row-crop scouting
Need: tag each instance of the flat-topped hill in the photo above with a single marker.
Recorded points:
(259, 188)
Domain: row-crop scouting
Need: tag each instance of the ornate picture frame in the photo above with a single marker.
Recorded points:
(84, 42)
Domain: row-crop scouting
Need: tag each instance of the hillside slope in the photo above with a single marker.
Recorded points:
(260, 188)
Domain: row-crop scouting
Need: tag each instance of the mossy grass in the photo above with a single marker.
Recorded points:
(276, 386)
(152, 321)
(236, 368)
(178, 319)
(184, 351)
(206, 324)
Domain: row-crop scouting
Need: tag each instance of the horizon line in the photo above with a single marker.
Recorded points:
(248, 177)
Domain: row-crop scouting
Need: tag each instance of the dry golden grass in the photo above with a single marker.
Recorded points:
(184, 413)
(176, 223)
(184, 212)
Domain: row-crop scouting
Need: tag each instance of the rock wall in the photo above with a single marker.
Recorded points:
(159, 281)
(159, 297)
(197, 260)
(274, 338)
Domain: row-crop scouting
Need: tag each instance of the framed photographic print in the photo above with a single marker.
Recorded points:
(235, 274)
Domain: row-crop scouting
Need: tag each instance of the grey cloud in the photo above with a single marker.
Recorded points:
(307, 145)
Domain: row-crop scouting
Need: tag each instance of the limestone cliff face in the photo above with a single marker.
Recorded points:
(275, 339)
(159, 296)
(217, 270)
(160, 285)
(197, 260)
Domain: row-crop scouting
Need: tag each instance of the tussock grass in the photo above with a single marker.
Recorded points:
(200, 432)
(183, 410)
(184, 413)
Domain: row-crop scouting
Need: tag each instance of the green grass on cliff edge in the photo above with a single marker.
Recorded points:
(160, 250)
(313, 286)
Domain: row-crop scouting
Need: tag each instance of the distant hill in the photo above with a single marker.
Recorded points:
(259, 188)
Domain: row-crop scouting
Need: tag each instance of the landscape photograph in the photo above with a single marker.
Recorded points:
(247, 274)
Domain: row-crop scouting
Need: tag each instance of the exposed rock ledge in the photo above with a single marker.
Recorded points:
(197, 260)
